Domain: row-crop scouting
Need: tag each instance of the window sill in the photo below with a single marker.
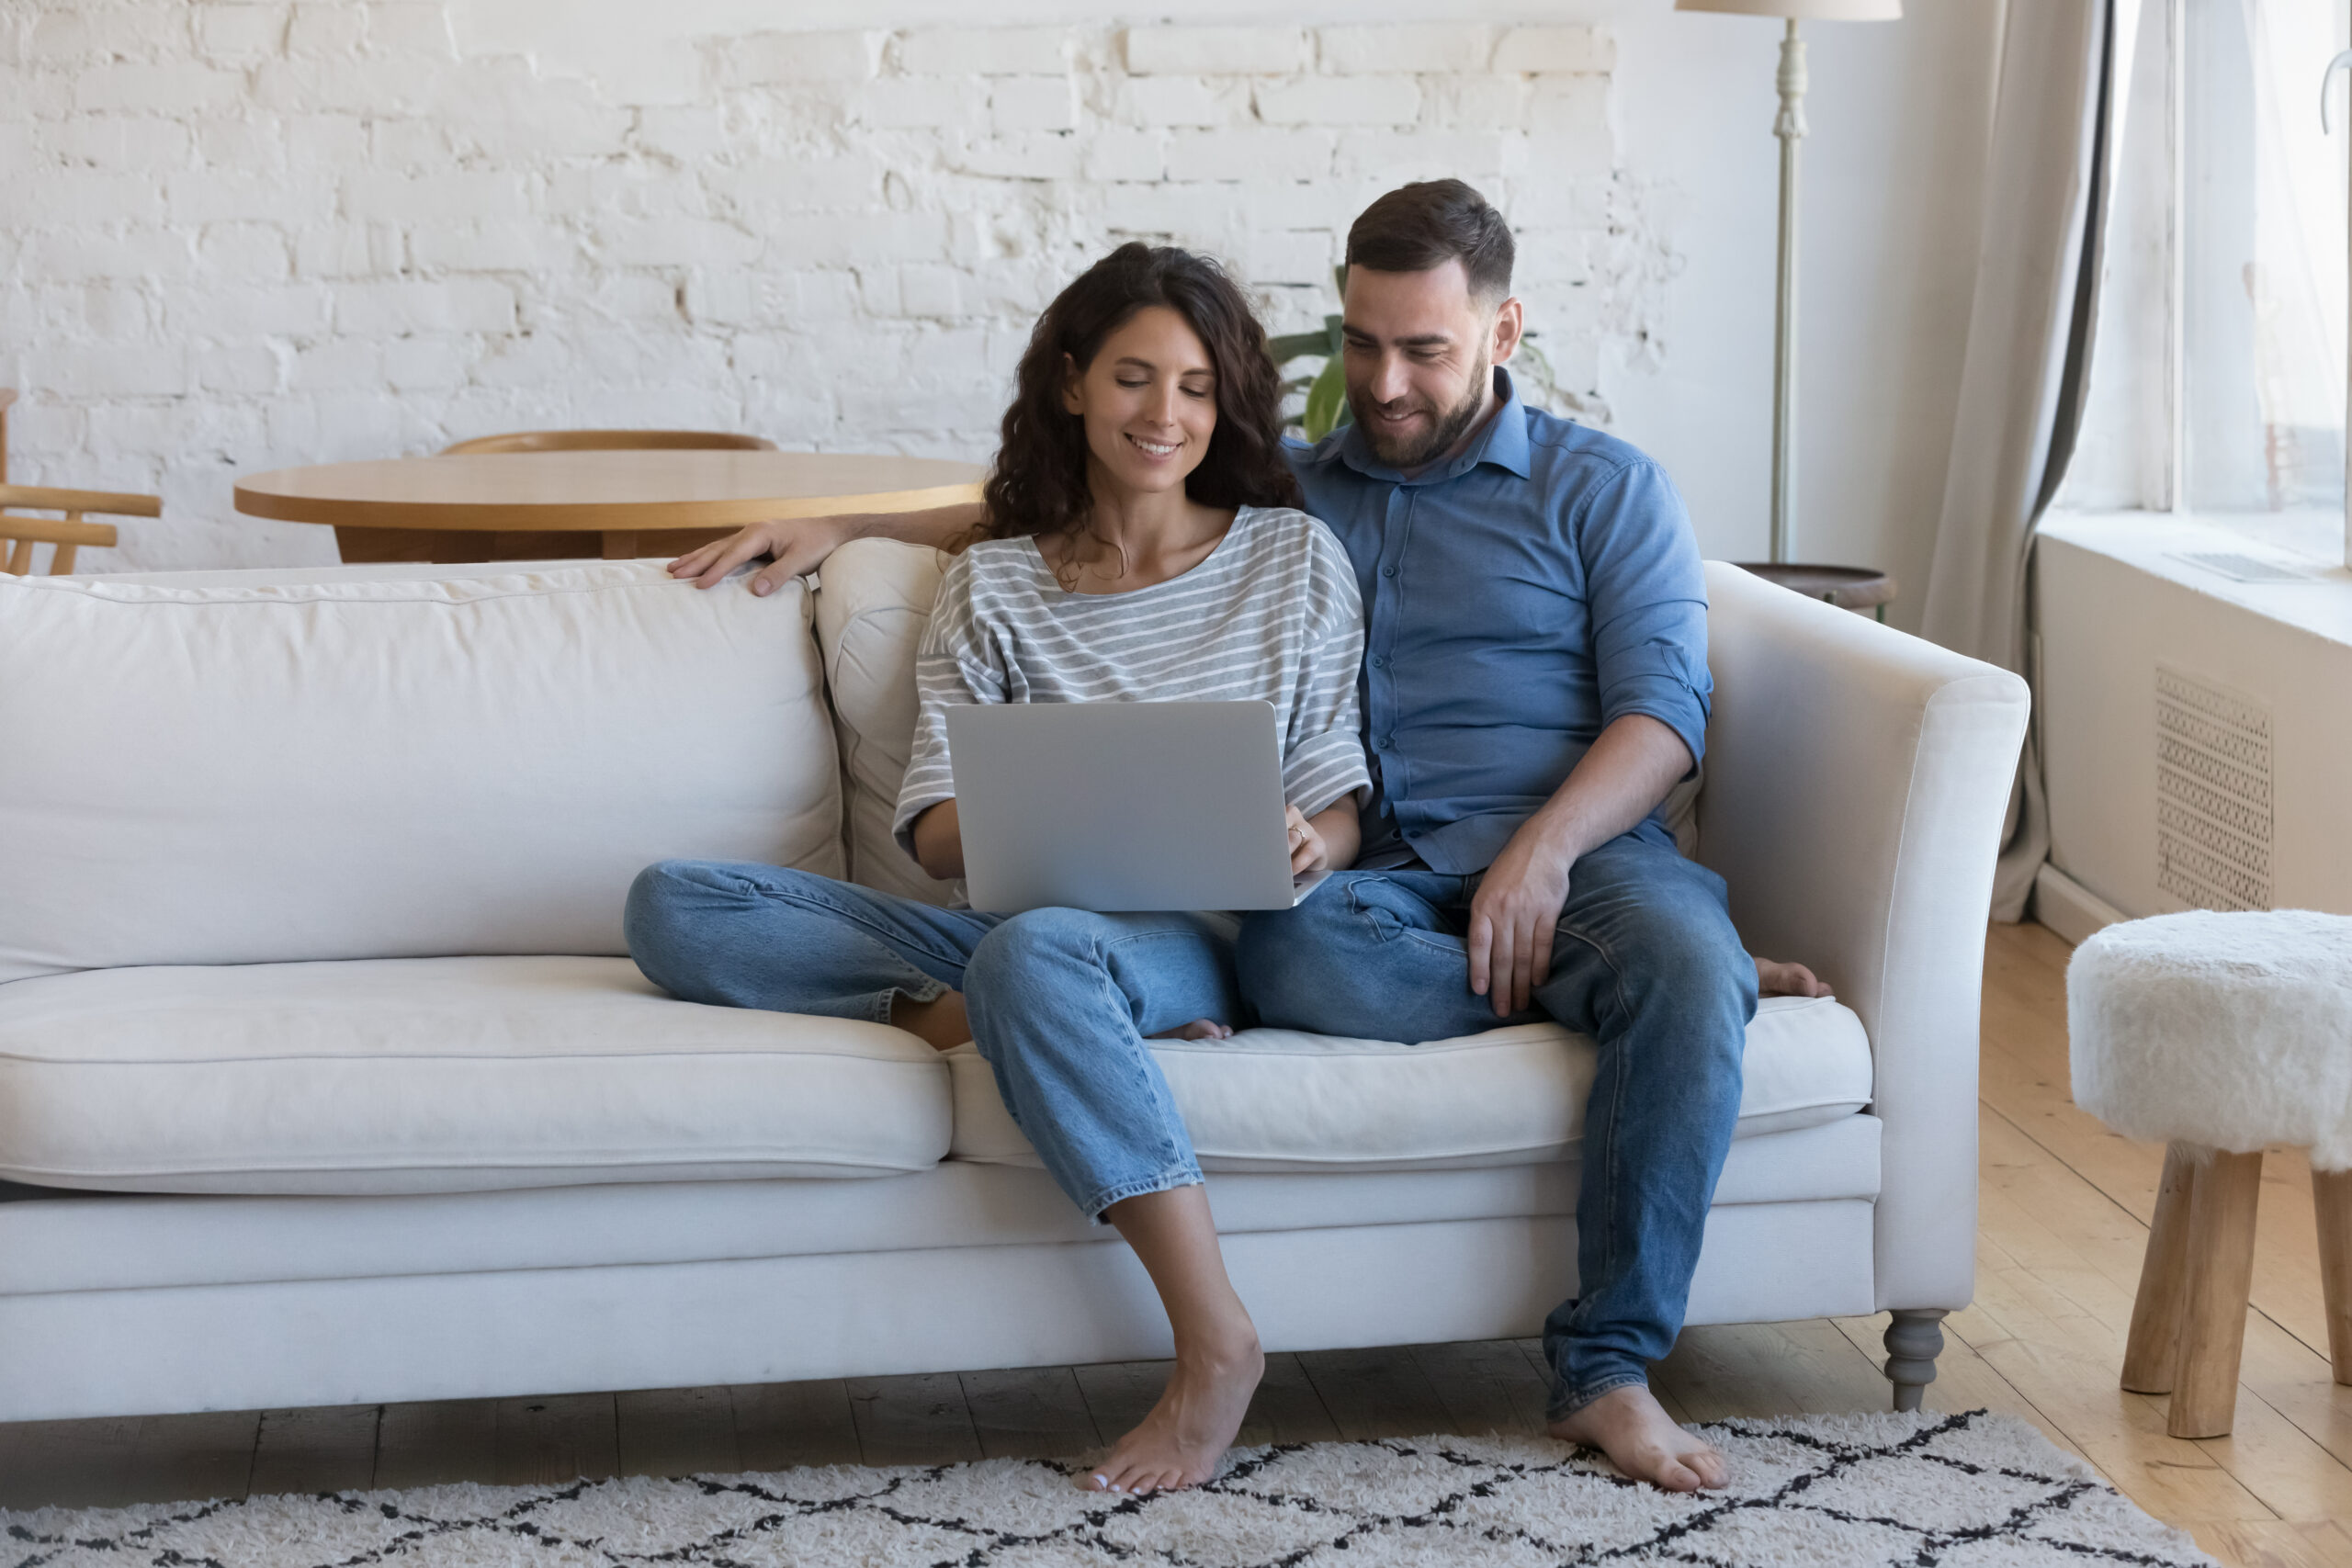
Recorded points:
(2165, 544)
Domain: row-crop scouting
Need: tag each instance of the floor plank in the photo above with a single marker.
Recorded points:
(1029, 1413)
(70, 1464)
(1286, 1409)
(920, 1419)
(1376, 1393)
(555, 1440)
(1119, 1394)
(1485, 1386)
(675, 1432)
(780, 1425)
(435, 1442)
(331, 1449)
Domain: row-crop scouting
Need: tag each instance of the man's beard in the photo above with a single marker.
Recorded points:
(1450, 424)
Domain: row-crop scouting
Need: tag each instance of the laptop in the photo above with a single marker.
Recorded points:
(1116, 805)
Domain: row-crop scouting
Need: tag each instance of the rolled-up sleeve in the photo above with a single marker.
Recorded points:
(953, 667)
(1647, 599)
(1323, 746)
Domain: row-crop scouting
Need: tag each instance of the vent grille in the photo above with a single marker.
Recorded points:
(2213, 814)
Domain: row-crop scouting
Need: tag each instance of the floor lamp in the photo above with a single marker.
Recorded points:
(1789, 128)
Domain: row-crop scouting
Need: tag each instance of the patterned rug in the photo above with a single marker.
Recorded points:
(1922, 1490)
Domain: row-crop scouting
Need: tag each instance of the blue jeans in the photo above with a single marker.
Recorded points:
(1061, 999)
(1646, 961)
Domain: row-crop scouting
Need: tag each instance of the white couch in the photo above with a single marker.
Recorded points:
(324, 1077)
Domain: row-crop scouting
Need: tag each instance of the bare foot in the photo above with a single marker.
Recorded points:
(940, 1022)
(1199, 1029)
(1188, 1431)
(1642, 1440)
(1774, 978)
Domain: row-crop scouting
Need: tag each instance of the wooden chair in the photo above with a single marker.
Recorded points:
(19, 534)
(610, 441)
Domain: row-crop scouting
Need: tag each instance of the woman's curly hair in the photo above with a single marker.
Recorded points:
(1038, 483)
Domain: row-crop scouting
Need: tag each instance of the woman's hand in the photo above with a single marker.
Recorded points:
(938, 834)
(799, 544)
(1307, 850)
(1774, 978)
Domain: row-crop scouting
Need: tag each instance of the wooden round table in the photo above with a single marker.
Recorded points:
(566, 506)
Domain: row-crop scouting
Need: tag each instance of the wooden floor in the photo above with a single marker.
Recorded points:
(2066, 1206)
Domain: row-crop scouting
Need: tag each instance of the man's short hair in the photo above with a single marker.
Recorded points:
(1424, 225)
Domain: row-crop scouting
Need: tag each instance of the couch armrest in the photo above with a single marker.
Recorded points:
(1857, 784)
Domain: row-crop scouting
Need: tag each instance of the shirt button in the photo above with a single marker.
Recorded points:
(1379, 662)
(1386, 741)
(1387, 571)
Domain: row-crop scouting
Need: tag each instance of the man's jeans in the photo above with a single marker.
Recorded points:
(1646, 962)
(1059, 999)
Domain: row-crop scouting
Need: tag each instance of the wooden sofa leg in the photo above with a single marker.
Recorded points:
(2220, 1272)
(2332, 1196)
(1914, 1340)
(2152, 1353)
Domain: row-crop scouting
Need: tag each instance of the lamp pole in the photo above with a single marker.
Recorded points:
(1789, 128)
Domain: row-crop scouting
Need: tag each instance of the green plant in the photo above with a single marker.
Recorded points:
(1326, 388)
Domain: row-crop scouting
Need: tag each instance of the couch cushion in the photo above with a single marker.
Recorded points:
(259, 767)
(1274, 1100)
(441, 1074)
(873, 599)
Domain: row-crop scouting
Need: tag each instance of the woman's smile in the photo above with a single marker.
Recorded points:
(1157, 451)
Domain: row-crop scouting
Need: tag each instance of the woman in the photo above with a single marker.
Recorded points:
(1139, 539)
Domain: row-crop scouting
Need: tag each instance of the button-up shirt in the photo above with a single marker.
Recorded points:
(1518, 599)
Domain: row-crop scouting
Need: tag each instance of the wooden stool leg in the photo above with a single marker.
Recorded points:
(2332, 1196)
(2151, 1354)
(2221, 1273)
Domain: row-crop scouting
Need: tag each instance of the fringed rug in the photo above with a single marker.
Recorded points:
(1916, 1490)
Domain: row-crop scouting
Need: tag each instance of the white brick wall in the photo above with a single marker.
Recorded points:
(240, 236)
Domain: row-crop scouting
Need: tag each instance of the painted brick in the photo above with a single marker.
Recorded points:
(1339, 100)
(1204, 215)
(917, 103)
(255, 253)
(424, 365)
(211, 196)
(337, 365)
(336, 28)
(240, 32)
(694, 134)
(232, 313)
(138, 143)
(929, 289)
(1420, 48)
(80, 197)
(117, 370)
(1572, 114)
(1216, 52)
(349, 250)
(437, 198)
(1117, 154)
(163, 255)
(240, 145)
(455, 304)
(1181, 101)
(1393, 157)
(1249, 154)
(800, 57)
(1477, 103)
(1571, 50)
(859, 240)
(1032, 103)
(1024, 155)
(409, 26)
(250, 369)
(989, 51)
(676, 242)
(169, 88)
(499, 246)
(1291, 256)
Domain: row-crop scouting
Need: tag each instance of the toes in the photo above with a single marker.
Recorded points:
(1676, 1476)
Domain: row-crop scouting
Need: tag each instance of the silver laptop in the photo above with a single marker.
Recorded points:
(1118, 805)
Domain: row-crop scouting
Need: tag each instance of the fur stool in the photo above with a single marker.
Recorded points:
(2219, 1034)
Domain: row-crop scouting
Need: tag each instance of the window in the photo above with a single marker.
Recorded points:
(2218, 374)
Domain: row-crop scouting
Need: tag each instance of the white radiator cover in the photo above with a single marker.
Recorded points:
(2196, 730)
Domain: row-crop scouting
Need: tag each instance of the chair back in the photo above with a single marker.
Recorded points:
(610, 441)
(19, 534)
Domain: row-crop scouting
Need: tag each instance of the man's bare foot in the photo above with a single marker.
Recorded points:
(1642, 1440)
(1774, 978)
(940, 1022)
(1199, 1029)
(1188, 1431)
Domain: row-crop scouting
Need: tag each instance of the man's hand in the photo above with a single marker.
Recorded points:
(799, 544)
(1512, 919)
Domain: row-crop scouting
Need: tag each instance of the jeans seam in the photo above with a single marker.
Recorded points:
(1609, 1171)
(1569, 1400)
(1166, 1179)
(854, 918)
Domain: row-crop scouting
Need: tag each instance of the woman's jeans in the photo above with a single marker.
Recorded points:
(1646, 961)
(1061, 999)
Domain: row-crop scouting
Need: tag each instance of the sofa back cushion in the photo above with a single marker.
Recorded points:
(355, 762)
(873, 598)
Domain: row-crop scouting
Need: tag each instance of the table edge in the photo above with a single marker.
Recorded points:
(645, 516)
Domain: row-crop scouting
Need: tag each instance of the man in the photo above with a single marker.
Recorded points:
(1535, 682)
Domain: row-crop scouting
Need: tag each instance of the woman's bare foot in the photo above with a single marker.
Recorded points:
(940, 1022)
(1188, 1431)
(1774, 978)
(1642, 1440)
(1199, 1029)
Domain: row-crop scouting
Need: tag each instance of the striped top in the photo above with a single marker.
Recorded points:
(1271, 613)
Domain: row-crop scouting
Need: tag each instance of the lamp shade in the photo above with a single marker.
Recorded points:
(1803, 10)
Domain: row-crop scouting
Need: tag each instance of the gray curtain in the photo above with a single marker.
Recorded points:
(2056, 124)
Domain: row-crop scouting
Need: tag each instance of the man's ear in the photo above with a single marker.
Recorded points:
(1073, 397)
(1511, 325)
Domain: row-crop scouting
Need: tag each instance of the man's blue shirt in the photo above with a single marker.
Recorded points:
(1517, 599)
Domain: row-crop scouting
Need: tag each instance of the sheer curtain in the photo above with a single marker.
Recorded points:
(2022, 385)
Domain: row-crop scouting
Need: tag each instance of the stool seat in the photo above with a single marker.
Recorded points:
(2231, 1031)
(2222, 1033)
